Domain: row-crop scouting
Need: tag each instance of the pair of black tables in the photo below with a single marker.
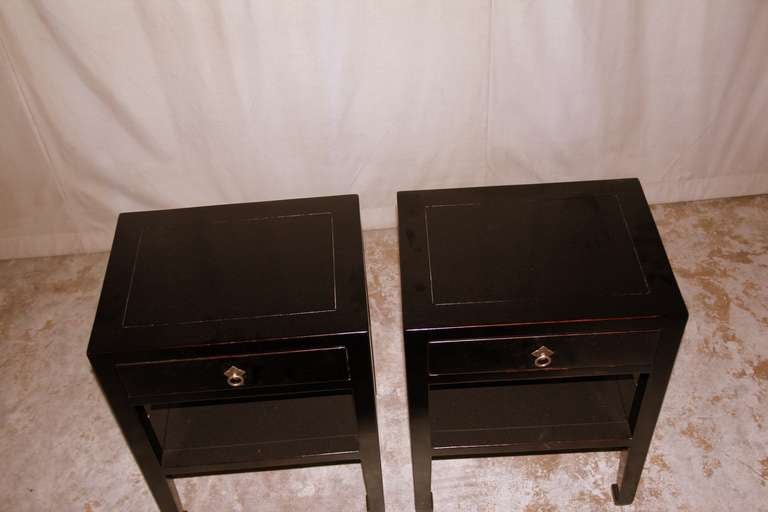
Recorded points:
(536, 319)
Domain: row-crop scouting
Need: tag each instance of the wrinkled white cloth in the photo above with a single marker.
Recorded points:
(116, 106)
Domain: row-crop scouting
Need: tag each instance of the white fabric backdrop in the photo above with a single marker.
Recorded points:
(116, 106)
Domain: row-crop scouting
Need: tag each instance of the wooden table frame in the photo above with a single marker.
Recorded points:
(467, 359)
(178, 311)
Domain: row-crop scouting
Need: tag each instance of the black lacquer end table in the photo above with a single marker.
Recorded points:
(235, 338)
(537, 318)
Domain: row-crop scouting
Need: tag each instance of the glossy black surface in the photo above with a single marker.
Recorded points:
(492, 355)
(275, 290)
(241, 432)
(491, 275)
(209, 275)
(196, 375)
(496, 414)
(531, 253)
(556, 242)
(204, 272)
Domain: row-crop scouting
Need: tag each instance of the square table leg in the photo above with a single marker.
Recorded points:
(364, 391)
(633, 458)
(418, 413)
(139, 435)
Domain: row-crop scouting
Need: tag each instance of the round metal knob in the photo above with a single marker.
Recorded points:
(543, 357)
(235, 376)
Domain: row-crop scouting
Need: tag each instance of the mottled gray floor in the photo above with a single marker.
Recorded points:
(61, 450)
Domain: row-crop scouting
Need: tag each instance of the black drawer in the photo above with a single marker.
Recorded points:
(514, 354)
(208, 374)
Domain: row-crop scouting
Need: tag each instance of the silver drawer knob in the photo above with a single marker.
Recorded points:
(543, 356)
(235, 376)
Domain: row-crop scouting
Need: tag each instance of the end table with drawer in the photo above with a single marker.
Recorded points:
(235, 338)
(537, 318)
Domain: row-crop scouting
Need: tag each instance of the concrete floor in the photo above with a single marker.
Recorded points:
(61, 450)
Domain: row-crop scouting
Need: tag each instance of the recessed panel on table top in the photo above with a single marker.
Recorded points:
(500, 251)
(237, 269)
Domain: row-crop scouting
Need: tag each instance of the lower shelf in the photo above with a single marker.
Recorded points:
(532, 416)
(232, 435)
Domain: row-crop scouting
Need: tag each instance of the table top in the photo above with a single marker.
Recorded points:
(239, 272)
(532, 254)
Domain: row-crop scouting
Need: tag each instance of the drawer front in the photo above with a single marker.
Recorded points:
(208, 374)
(514, 354)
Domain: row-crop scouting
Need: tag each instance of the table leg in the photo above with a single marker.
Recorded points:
(137, 432)
(633, 458)
(418, 413)
(364, 391)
